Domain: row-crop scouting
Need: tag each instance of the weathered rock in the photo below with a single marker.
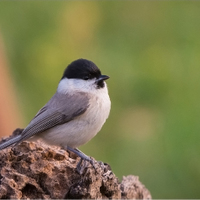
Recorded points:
(36, 171)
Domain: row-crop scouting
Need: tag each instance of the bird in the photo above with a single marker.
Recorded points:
(74, 114)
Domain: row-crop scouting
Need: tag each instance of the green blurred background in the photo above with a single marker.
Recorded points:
(151, 51)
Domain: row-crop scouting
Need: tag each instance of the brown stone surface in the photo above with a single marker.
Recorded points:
(36, 171)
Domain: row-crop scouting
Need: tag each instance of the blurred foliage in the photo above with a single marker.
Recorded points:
(151, 52)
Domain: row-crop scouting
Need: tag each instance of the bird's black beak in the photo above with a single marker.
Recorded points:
(100, 81)
(103, 78)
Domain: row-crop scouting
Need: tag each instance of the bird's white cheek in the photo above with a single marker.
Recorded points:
(73, 85)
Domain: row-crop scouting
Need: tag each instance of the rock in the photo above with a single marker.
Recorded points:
(37, 171)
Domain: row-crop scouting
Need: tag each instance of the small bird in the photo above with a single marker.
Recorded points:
(75, 113)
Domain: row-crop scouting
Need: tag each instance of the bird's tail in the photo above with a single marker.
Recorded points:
(10, 142)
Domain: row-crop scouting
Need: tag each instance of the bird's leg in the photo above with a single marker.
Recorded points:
(79, 153)
(83, 158)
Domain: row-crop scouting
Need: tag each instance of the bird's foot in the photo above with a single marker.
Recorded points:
(83, 164)
(84, 161)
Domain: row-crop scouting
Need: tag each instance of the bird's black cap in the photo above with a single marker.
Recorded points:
(82, 69)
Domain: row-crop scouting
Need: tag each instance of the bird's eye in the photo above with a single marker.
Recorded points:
(86, 78)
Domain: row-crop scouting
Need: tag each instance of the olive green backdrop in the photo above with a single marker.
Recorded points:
(151, 51)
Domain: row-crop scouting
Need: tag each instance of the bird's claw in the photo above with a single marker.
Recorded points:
(84, 163)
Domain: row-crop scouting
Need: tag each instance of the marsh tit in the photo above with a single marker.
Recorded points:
(75, 113)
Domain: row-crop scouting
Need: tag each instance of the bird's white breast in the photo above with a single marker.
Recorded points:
(84, 127)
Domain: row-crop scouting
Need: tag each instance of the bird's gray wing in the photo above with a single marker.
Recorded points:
(60, 109)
